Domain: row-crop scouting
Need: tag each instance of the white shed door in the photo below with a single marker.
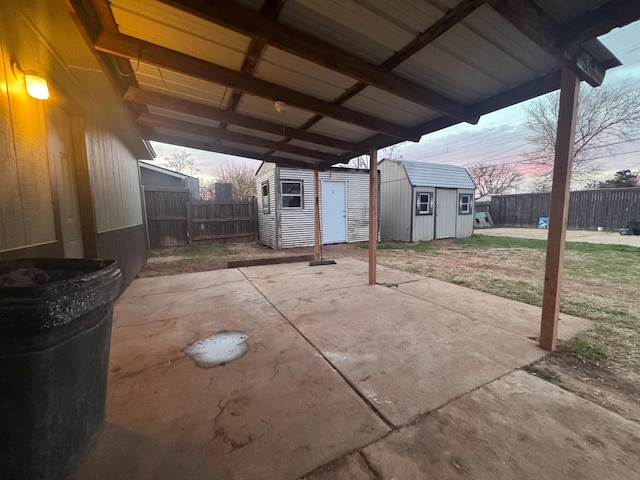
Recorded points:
(446, 213)
(334, 212)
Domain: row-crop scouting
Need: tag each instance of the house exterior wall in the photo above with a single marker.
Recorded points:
(288, 228)
(396, 204)
(115, 187)
(267, 221)
(464, 225)
(41, 36)
(27, 224)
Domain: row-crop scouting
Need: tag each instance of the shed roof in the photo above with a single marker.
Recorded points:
(166, 171)
(423, 174)
(316, 83)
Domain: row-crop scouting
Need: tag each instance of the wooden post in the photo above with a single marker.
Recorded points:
(317, 246)
(569, 91)
(373, 217)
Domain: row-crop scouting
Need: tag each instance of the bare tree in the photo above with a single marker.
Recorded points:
(362, 161)
(207, 189)
(241, 176)
(494, 179)
(607, 116)
(181, 162)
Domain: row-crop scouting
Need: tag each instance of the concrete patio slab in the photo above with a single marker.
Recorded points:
(335, 371)
(517, 317)
(405, 355)
(269, 414)
(518, 427)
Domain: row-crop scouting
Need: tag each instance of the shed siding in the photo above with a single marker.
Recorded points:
(396, 212)
(423, 225)
(464, 226)
(287, 228)
(297, 225)
(266, 222)
(357, 202)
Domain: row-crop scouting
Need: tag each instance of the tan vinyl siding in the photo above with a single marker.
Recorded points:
(396, 205)
(26, 209)
(113, 170)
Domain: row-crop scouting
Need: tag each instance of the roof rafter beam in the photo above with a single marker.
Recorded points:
(532, 89)
(254, 25)
(150, 120)
(151, 134)
(615, 13)
(536, 24)
(133, 48)
(166, 102)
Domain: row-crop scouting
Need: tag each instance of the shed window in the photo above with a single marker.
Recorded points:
(424, 205)
(291, 193)
(266, 208)
(465, 206)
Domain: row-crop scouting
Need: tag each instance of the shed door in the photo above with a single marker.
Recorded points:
(63, 180)
(334, 212)
(446, 213)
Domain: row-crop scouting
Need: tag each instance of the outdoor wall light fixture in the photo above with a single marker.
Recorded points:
(36, 85)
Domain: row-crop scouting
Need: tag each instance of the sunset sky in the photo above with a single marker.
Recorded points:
(499, 137)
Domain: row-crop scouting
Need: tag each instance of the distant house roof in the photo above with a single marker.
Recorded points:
(423, 174)
(166, 171)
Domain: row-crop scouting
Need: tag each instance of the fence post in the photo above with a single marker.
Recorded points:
(189, 223)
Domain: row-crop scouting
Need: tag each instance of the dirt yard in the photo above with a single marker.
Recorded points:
(600, 282)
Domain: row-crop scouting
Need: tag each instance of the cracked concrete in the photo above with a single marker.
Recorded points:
(341, 380)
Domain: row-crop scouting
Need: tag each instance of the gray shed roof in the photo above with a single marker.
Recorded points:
(423, 174)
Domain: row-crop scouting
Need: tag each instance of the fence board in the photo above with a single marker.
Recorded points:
(588, 209)
(167, 219)
(174, 220)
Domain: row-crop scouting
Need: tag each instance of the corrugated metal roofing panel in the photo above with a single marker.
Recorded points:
(284, 69)
(183, 116)
(423, 174)
(341, 130)
(507, 58)
(179, 85)
(169, 27)
(254, 133)
(314, 146)
(264, 108)
(385, 105)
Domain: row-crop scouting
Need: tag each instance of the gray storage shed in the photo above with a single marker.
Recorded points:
(286, 206)
(424, 201)
(153, 176)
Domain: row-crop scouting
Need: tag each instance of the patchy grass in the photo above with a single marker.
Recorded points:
(413, 247)
(543, 373)
(588, 352)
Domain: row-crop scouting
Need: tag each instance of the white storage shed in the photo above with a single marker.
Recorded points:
(424, 201)
(286, 206)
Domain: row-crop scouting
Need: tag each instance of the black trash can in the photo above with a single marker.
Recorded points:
(55, 333)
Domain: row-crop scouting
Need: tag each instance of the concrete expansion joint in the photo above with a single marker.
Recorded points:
(376, 475)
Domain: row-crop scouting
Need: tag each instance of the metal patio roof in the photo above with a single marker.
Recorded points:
(317, 82)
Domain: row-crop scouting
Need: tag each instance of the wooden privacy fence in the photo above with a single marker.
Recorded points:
(174, 220)
(588, 209)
